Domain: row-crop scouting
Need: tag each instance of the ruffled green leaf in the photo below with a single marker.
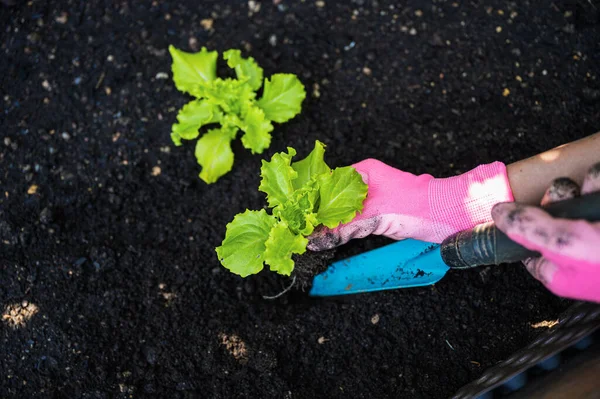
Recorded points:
(214, 154)
(277, 176)
(231, 95)
(192, 117)
(246, 69)
(280, 246)
(341, 195)
(191, 68)
(243, 249)
(258, 130)
(282, 97)
(299, 215)
(311, 166)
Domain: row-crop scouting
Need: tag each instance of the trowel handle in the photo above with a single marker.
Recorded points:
(486, 245)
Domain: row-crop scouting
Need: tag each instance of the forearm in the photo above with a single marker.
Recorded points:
(530, 177)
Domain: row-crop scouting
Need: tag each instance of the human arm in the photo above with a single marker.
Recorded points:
(529, 178)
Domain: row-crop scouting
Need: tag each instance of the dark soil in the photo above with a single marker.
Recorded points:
(309, 264)
(109, 282)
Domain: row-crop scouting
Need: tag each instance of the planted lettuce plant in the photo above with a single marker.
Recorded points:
(302, 195)
(230, 103)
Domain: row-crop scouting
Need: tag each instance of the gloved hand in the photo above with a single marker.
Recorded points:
(570, 262)
(401, 205)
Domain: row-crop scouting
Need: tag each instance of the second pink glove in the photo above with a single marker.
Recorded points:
(570, 265)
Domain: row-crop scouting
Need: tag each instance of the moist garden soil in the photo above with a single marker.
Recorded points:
(109, 283)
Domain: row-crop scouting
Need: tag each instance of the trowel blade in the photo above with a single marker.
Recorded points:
(403, 264)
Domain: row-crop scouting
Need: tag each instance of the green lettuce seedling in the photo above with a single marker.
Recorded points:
(302, 195)
(231, 103)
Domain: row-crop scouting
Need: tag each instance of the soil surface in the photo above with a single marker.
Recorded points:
(109, 283)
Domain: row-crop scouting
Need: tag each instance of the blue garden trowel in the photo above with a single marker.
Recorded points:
(412, 263)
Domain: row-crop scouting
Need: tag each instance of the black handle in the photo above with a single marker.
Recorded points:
(486, 245)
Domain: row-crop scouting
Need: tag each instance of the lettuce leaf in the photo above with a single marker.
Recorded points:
(298, 212)
(282, 97)
(257, 130)
(192, 117)
(311, 166)
(245, 68)
(280, 246)
(191, 68)
(230, 94)
(302, 195)
(213, 152)
(341, 194)
(243, 249)
(277, 176)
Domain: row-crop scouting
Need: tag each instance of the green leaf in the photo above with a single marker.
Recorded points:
(258, 130)
(341, 195)
(245, 68)
(298, 215)
(282, 97)
(277, 176)
(280, 246)
(213, 152)
(231, 120)
(242, 250)
(191, 68)
(192, 117)
(232, 95)
(311, 166)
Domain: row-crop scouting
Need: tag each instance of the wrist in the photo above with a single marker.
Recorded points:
(462, 202)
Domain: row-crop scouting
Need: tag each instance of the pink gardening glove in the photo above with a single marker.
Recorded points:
(401, 205)
(570, 265)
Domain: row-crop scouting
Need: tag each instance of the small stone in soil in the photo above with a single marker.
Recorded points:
(150, 354)
(273, 40)
(316, 92)
(62, 18)
(207, 23)
(46, 216)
